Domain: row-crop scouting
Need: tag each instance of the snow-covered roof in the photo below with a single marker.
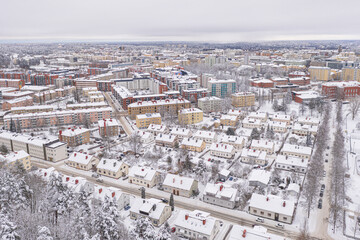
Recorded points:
(229, 117)
(224, 172)
(281, 117)
(235, 112)
(195, 221)
(309, 120)
(71, 132)
(253, 153)
(260, 175)
(142, 172)
(262, 143)
(243, 94)
(221, 191)
(179, 182)
(146, 207)
(81, 158)
(190, 110)
(258, 115)
(100, 192)
(180, 131)
(272, 203)
(256, 233)
(249, 120)
(87, 105)
(165, 137)
(113, 165)
(158, 102)
(157, 128)
(294, 161)
(14, 156)
(221, 147)
(304, 127)
(148, 115)
(277, 124)
(294, 187)
(229, 139)
(192, 142)
(108, 122)
(246, 132)
(296, 149)
(204, 134)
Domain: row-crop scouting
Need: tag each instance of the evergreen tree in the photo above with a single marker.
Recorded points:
(164, 232)
(171, 202)
(44, 234)
(255, 134)
(3, 149)
(12, 126)
(308, 140)
(8, 228)
(275, 105)
(143, 230)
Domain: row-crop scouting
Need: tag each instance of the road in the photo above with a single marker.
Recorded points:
(125, 124)
(232, 216)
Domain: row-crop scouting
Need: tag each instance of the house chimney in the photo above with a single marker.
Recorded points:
(204, 221)
(100, 190)
(67, 179)
(113, 194)
(76, 181)
(186, 217)
(75, 155)
(173, 180)
(244, 233)
(267, 199)
(180, 181)
(284, 204)
(86, 157)
(221, 187)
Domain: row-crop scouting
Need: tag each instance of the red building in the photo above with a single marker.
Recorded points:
(341, 89)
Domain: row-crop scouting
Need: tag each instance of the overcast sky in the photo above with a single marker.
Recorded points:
(184, 20)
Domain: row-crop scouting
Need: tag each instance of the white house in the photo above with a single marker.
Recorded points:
(157, 129)
(259, 177)
(181, 133)
(304, 129)
(309, 121)
(290, 163)
(100, 192)
(263, 145)
(251, 123)
(282, 118)
(153, 209)
(236, 141)
(253, 156)
(112, 168)
(178, 185)
(196, 225)
(207, 136)
(222, 150)
(221, 195)
(82, 161)
(278, 127)
(258, 232)
(146, 137)
(166, 140)
(143, 176)
(296, 151)
(262, 116)
(272, 207)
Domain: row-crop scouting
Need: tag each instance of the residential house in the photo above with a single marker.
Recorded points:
(157, 211)
(82, 161)
(181, 186)
(143, 176)
(220, 195)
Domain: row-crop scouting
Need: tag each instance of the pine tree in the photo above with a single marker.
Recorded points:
(143, 193)
(171, 202)
(164, 232)
(8, 228)
(107, 221)
(3, 149)
(143, 230)
(44, 234)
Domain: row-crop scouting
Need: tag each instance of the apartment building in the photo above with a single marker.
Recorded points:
(221, 88)
(190, 116)
(210, 104)
(294, 164)
(58, 118)
(17, 102)
(171, 106)
(50, 149)
(180, 186)
(350, 74)
(75, 136)
(341, 90)
(304, 129)
(320, 73)
(86, 105)
(243, 99)
(109, 127)
(144, 120)
(32, 109)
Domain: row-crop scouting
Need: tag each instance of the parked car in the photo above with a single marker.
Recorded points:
(164, 200)
(173, 229)
(260, 220)
(320, 203)
(279, 225)
(99, 180)
(324, 173)
(322, 186)
(127, 207)
(126, 177)
(95, 175)
(326, 160)
(321, 193)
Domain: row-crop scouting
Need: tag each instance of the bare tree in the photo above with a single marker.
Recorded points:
(354, 106)
(135, 142)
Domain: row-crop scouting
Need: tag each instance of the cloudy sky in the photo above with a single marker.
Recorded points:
(184, 20)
